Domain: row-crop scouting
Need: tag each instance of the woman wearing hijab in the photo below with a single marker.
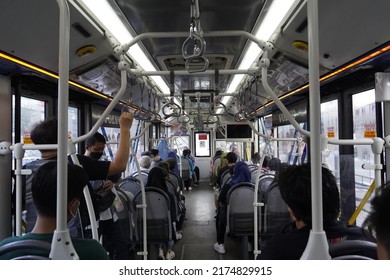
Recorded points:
(240, 174)
(173, 159)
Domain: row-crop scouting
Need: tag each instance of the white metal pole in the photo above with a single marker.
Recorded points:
(62, 247)
(317, 246)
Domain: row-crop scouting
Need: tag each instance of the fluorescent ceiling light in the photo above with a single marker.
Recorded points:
(275, 14)
(105, 14)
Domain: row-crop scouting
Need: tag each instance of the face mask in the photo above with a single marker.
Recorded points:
(96, 155)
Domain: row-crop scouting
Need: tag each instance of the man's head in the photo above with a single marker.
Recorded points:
(145, 162)
(44, 188)
(378, 221)
(45, 132)
(231, 158)
(295, 187)
(155, 154)
(94, 146)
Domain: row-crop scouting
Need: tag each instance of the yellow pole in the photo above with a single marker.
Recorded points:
(248, 153)
(362, 203)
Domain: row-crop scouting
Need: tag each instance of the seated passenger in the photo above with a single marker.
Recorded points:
(274, 164)
(230, 160)
(196, 173)
(240, 174)
(295, 188)
(173, 159)
(217, 154)
(378, 221)
(144, 163)
(188, 181)
(155, 156)
(44, 194)
(255, 158)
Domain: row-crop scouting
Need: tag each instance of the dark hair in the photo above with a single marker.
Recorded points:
(185, 153)
(156, 178)
(154, 152)
(255, 158)
(378, 220)
(295, 187)
(265, 161)
(172, 163)
(274, 164)
(231, 157)
(45, 132)
(218, 153)
(44, 186)
(146, 153)
(96, 138)
(164, 165)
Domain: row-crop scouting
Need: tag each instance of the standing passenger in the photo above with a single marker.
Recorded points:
(46, 133)
(115, 239)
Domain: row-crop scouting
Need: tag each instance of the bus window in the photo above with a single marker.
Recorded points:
(32, 111)
(329, 128)
(179, 142)
(364, 124)
(236, 147)
(287, 150)
(73, 123)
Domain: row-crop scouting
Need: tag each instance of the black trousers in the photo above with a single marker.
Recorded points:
(220, 223)
(196, 171)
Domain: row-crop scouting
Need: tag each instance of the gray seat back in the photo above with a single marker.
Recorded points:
(276, 214)
(172, 187)
(143, 176)
(130, 184)
(353, 250)
(185, 169)
(159, 225)
(240, 211)
(225, 177)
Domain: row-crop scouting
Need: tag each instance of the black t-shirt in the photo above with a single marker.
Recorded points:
(96, 170)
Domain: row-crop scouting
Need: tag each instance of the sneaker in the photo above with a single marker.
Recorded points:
(178, 236)
(189, 188)
(196, 184)
(220, 248)
(161, 254)
(170, 255)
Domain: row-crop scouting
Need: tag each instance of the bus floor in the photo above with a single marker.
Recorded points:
(199, 231)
